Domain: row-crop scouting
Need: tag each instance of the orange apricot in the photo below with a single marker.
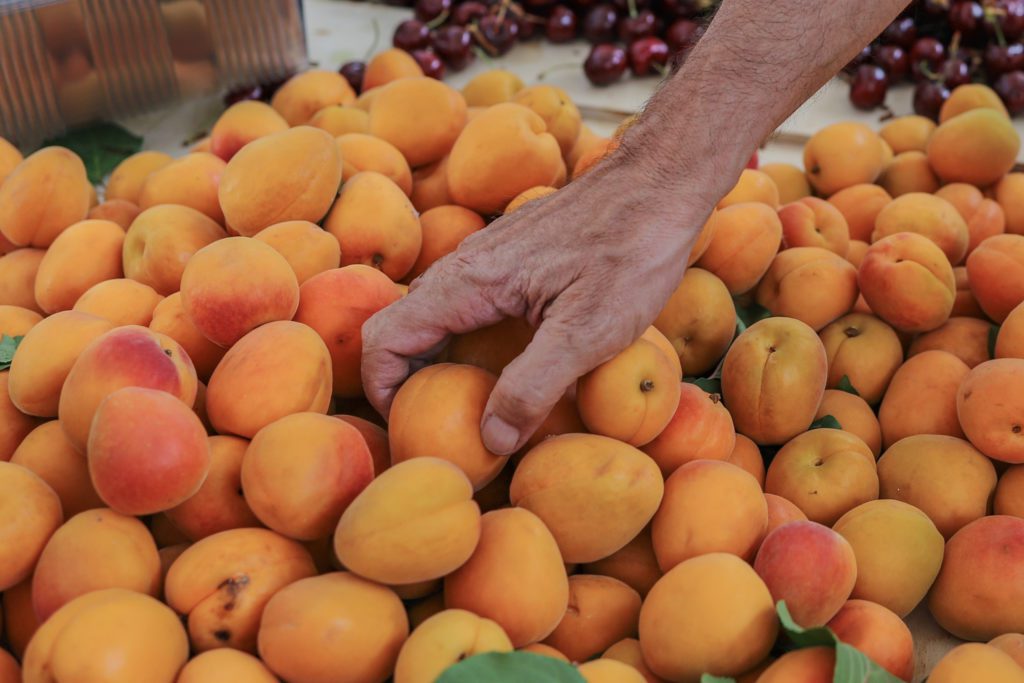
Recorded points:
(860, 205)
(47, 452)
(854, 415)
(971, 96)
(921, 398)
(1008, 193)
(339, 120)
(752, 186)
(842, 155)
(747, 236)
(387, 66)
(908, 133)
(700, 429)
(160, 242)
(813, 222)
(491, 87)
(240, 124)
(169, 318)
(810, 284)
(121, 301)
(306, 247)
(64, 274)
(995, 270)
(193, 181)
(42, 196)
(444, 227)
(965, 338)
(699, 320)
(32, 514)
(119, 211)
(927, 215)
(989, 402)
(421, 117)
(791, 181)
(978, 147)
(303, 95)
(908, 172)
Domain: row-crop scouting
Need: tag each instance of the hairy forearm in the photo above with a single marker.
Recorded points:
(757, 63)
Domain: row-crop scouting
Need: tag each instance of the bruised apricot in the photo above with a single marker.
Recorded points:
(42, 196)
(500, 153)
(277, 369)
(563, 476)
(291, 175)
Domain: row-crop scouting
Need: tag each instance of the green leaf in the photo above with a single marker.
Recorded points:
(748, 315)
(846, 385)
(803, 637)
(993, 334)
(102, 147)
(8, 345)
(708, 678)
(712, 385)
(510, 667)
(825, 422)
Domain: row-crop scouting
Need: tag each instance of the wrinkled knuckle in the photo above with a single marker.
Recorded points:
(523, 398)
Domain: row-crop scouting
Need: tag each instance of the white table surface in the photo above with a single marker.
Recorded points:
(340, 30)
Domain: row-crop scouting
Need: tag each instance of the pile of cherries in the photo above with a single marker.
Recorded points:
(641, 35)
(939, 45)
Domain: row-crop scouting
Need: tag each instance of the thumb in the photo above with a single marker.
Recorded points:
(531, 384)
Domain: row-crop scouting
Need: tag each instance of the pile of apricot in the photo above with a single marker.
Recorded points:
(193, 488)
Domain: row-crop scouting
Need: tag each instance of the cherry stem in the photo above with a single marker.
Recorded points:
(992, 15)
(487, 45)
(927, 71)
(660, 68)
(503, 10)
(631, 4)
(954, 44)
(557, 67)
(376, 39)
(439, 20)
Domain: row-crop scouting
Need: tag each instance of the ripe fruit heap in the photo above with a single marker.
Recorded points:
(193, 488)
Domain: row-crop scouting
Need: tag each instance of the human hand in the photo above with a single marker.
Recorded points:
(589, 267)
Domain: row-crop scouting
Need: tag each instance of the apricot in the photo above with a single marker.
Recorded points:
(170, 319)
(113, 635)
(20, 621)
(609, 671)
(593, 156)
(965, 305)
(790, 181)
(978, 589)
(908, 133)
(989, 403)
(218, 505)
(376, 225)
(64, 274)
(806, 665)
(45, 357)
(825, 473)
(860, 205)
(94, 550)
(16, 321)
(47, 452)
(421, 117)
(926, 215)
(387, 66)
(161, 240)
(965, 338)
(781, 511)
(908, 282)
(978, 147)
(898, 549)
(277, 369)
(302, 471)
(710, 614)
(976, 660)
(360, 152)
(372, 538)
(699, 320)
(118, 211)
(491, 87)
(459, 393)
(515, 577)
(631, 397)
(527, 196)
(430, 186)
(602, 611)
(700, 429)
(879, 633)
(303, 95)
(1010, 339)
(1008, 498)
(1008, 193)
(213, 666)
(172, 464)
(14, 425)
(444, 639)
(223, 582)
(1012, 644)
(335, 304)
(444, 227)
(747, 456)
(236, 284)
(971, 96)
(944, 477)
(863, 349)
(128, 177)
(240, 124)
(564, 476)
(340, 120)
(628, 652)
(308, 249)
(908, 172)
(504, 137)
(995, 270)
(855, 416)
(747, 236)
(560, 114)
(121, 301)
(491, 347)
(291, 175)
(813, 222)
(842, 155)
(193, 181)
(635, 564)
(376, 440)
(752, 186)
(32, 513)
(774, 358)
(810, 284)
(42, 196)
(922, 397)
(693, 520)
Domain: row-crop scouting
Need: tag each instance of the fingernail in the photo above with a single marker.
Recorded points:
(499, 436)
